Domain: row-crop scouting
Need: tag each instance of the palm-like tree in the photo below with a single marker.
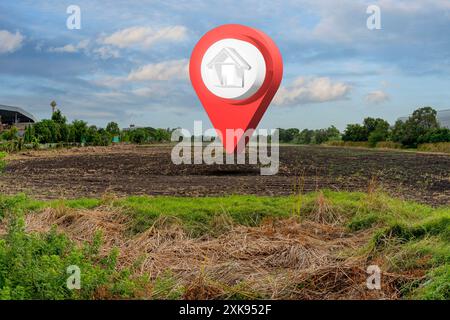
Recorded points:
(53, 105)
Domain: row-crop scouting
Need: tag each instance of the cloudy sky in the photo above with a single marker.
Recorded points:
(128, 62)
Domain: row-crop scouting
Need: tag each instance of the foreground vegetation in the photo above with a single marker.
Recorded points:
(2, 161)
(406, 239)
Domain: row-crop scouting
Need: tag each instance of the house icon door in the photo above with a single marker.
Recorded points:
(230, 68)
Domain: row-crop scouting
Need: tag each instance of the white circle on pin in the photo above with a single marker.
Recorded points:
(233, 69)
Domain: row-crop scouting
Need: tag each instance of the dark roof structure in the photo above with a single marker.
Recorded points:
(11, 115)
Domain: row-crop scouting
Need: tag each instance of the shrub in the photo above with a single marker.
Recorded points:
(10, 134)
(435, 147)
(435, 135)
(12, 146)
(34, 266)
(375, 137)
(437, 285)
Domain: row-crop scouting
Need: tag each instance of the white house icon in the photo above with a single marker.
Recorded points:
(229, 67)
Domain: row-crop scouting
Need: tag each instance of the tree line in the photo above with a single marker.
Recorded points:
(421, 127)
(58, 131)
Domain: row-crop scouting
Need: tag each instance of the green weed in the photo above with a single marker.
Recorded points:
(406, 236)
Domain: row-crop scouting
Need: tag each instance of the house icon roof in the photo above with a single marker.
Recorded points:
(229, 53)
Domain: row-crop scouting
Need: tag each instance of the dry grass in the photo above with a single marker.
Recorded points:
(324, 212)
(281, 259)
(443, 147)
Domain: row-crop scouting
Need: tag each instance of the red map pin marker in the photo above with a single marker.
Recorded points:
(235, 71)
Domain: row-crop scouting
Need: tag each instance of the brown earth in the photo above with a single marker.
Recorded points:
(134, 170)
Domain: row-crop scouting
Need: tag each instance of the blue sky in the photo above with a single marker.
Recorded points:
(128, 63)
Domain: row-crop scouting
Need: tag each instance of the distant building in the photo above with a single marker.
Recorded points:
(15, 116)
(443, 117)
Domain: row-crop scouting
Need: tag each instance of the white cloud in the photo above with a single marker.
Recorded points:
(113, 95)
(10, 42)
(110, 82)
(102, 52)
(145, 92)
(312, 90)
(162, 71)
(106, 52)
(377, 97)
(344, 22)
(166, 70)
(71, 48)
(413, 6)
(144, 36)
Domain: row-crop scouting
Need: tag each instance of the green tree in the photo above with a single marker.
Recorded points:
(333, 133)
(29, 135)
(355, 132)
(102, 138)
(42, 132)
(113, 129)
(435, 135)
(161, 135)
(305, 137)
(58, 117)
(61, 122)
(64, 132)
(422, 121)
(320, 136)
(372, 124)
(288, 135)
(47, 131)
(78, 131)
(397, 132)
(139, 135)
(91, 135)
(377, 130)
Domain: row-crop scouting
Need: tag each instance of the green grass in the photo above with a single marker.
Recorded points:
(34, 266)
(22, 204)
(198, 215)
(407, 236)
(2, 161)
